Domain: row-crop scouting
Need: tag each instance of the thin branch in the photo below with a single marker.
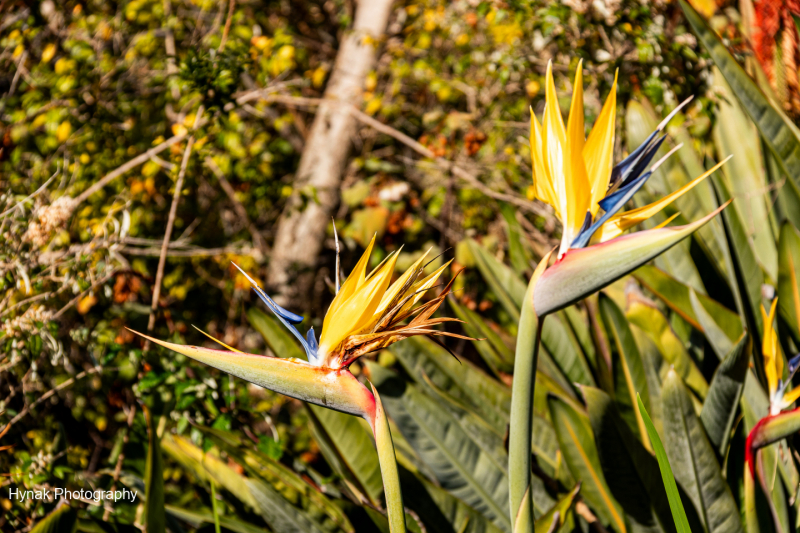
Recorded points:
(171, 220)
(191, 252)
(48, 394)
(442, 163)
(83, 293)
(258, 241)
(231, 6)
(121, 457)
(136, 161)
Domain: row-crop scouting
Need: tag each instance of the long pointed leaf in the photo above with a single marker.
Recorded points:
(629, 359)
(577, 444)
(721, 403)
(675, 504)
(694, 461)
(631, 472)
(459, 463)
(789, 277)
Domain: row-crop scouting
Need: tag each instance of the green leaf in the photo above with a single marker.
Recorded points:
(281, 478)
(721, 403)
(494, 351)
(695, 463)
(462, 380)
(565, 350)
(263, 498)
(460, 464)
(734, 134)
(657, 328)
(629, 469)
(346, 442)
(627, 362)
(154, 478)
(677, 297)
(197, 519)
(519, 250)
(279, 340)
(556, 515)
(720, 343)
(678, 513)
(747, 275)
(789, 277)
(773, 125)
(62, 520)
(504, 282)
(576, 442)
(441, 511)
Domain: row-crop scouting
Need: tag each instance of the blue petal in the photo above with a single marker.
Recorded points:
(287, 318)
(637, 165)
(311, 339)
(794, 362)
(616, 201)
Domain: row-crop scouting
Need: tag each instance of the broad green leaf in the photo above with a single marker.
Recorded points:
(565, 350)
(285, 481)
(630, 471)
(655, 325)
(198, 518)
(789, 277)
(460, 464)
(279, 513)
(788, 205)
(627, 364)
(504, 282)
(576, 442)
(439, 510)
(62, 520)
(675, 504)
(556, 515)
(677, 297)
(773, 125)
(720, 343)
(519, 251)
(460, 379)
(693, 460)
(721, 403)
(493, 350)
(154, 478)
(544, 446)
(279, 340)
(348, 447)
(747, 275)
(581, 272)
(734, 134)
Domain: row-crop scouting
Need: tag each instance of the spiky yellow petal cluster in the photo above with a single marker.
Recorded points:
(573, 174)
(364, 300)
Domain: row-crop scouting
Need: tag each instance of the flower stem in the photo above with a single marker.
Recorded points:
(519, 443)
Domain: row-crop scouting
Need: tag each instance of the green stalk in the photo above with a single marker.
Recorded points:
(214, 506)
(519, 439)
(391, 479)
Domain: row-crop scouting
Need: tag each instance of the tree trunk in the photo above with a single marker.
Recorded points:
(301, 229)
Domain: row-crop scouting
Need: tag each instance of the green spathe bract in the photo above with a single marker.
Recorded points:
(581, 272)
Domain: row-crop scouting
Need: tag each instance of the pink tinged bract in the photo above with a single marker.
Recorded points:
(583, 271)
(335, 389)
